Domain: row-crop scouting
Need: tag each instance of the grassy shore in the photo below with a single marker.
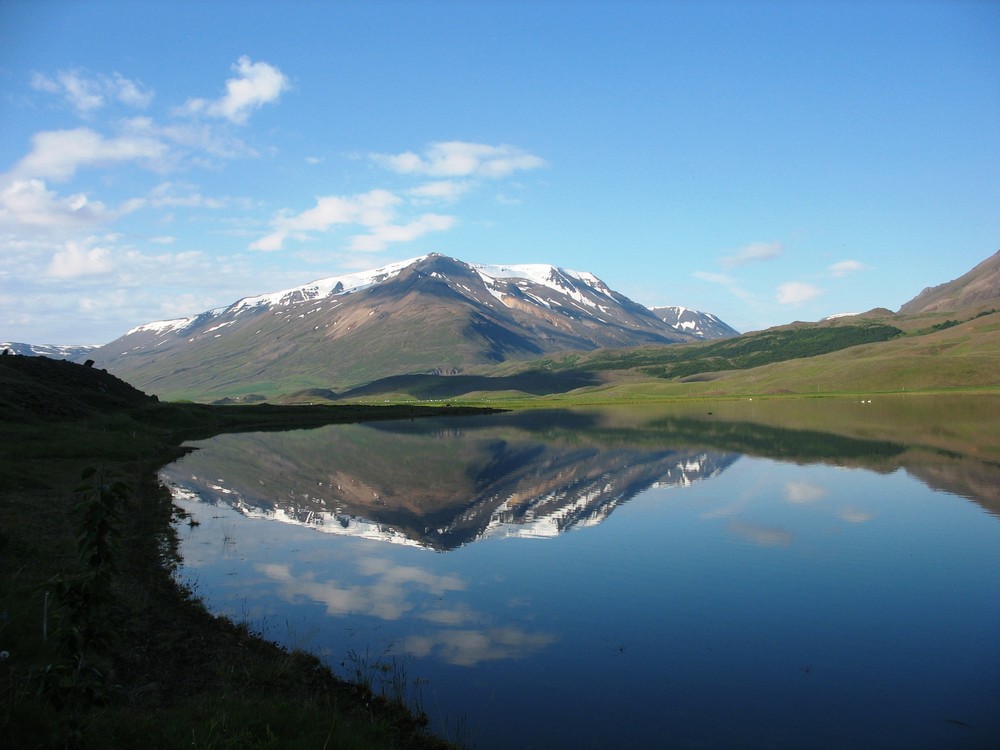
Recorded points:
(99, 647)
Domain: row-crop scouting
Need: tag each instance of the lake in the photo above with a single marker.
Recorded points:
(819, 573)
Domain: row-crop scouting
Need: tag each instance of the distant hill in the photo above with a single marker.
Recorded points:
(980, 286)
(53, 351)
(701, 324)
(432, 314)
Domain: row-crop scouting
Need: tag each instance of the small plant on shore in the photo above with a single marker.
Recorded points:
(86, 623)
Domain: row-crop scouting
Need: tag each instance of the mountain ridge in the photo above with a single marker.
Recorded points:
(432, 314)
(980, 286)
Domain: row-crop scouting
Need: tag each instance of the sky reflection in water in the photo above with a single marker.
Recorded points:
(688, 597)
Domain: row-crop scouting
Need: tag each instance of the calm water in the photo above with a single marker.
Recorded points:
(627, 578)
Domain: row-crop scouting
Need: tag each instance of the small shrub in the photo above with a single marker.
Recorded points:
(86, 623)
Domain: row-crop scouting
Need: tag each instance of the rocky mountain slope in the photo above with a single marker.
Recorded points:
(700, 324)
(980, 286)
(433, 314)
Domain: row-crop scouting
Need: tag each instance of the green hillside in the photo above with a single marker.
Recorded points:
(881, 353)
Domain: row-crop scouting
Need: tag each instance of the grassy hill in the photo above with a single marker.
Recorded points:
(878, 352)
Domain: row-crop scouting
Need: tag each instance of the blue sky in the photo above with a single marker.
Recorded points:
(763, 161)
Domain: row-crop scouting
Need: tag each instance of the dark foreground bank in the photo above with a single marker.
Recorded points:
(98, 645)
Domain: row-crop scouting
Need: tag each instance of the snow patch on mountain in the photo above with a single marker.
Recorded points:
(163, 326)
(841, 315)
(345, 284)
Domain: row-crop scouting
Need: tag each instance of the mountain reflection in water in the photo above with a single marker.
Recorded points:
(443, 483)
(437, 483)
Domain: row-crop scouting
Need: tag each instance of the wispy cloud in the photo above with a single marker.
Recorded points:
(444, 191)
(87, 93)
(255, 84)
(180, 194)
(846, 267)
(755, 252)
(461, 159)
(797, 293)
(731, 284)
(714, 278)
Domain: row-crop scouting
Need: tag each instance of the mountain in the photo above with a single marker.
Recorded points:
(432, 314)
(52, 351)
(980, 286)
(700, 324)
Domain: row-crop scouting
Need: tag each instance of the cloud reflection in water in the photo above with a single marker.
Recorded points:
(405, 590)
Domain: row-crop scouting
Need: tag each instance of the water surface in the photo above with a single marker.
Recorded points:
(630, 577)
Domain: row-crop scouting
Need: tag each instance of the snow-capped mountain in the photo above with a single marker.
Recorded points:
(431, 314)
(701, 324)
(52, 351)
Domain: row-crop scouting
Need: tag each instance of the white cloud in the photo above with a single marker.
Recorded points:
(753, 253)
(76, 260)
(380, 237)
(797, 292)
(376, 208)
(845, 267)
(461, 159)
(86, 94)
(256, 84)
(57, 154)
(27, 204)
